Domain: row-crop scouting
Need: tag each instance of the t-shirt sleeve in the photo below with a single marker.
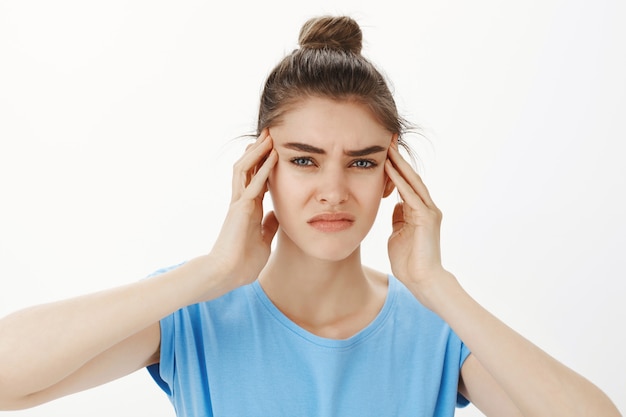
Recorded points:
(162, 371)
(461, 401)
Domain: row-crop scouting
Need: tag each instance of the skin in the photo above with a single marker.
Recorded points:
(103, 336)
(331, 160)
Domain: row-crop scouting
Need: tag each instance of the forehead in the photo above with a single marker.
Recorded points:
(328, 123)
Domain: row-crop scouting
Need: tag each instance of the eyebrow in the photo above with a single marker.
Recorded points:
(303, 147)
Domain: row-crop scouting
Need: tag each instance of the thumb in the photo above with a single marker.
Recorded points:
(398, 217)
(269, 226)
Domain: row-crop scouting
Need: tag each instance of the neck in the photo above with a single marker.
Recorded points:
(332, 298)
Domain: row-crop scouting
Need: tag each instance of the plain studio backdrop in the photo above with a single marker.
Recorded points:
(119, 124)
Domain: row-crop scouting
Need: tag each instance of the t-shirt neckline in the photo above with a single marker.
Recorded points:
(353, 340)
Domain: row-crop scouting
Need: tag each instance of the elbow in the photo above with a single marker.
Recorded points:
(10, 398)
(12, 404)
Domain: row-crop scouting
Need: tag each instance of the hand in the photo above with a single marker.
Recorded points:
(244, 243)
(414, 245)
(505, 372)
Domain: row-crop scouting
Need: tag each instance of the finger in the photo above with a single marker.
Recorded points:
(407, 192)
(251, 155)
(244, 168)
(252, 147)
(269, 226)
(256, 187)
(408, 173)
(260, 140)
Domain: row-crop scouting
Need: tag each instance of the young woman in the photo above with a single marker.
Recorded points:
(304, 329)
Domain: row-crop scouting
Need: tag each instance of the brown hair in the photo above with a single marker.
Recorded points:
(329, 64)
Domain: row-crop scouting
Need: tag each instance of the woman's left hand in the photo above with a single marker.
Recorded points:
(505, 374)
(414, 245)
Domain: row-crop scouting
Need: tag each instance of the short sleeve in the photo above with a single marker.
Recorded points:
(162, 372)
(461, 401)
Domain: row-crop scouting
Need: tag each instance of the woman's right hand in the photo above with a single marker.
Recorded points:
(115, 332)
(244, 243)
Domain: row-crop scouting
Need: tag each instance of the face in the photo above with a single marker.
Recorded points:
(329, 180)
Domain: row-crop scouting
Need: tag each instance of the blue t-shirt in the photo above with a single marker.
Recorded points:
(239, 355)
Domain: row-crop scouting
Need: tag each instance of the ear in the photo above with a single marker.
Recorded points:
(389, 185)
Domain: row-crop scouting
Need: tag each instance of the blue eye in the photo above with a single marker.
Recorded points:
(302, 161)
(364, 164)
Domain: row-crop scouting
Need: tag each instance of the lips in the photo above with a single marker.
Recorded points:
(331, 222)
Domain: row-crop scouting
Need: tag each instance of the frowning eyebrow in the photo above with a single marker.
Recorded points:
(366, 151)
(303, 147)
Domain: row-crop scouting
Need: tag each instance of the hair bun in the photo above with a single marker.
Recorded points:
(340, 33)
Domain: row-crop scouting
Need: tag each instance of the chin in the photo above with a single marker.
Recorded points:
(324, 247)
(330, 251)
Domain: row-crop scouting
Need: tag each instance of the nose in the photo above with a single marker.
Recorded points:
(332, 187)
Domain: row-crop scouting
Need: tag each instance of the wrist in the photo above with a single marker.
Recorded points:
(200, 279)
(435, 291)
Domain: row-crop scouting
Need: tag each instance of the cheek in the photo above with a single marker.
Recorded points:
(371, 185)
(281, 184)
(370, 191)
(276, 179)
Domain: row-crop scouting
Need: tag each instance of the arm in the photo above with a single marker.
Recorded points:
(536, 383)
(506, 374)
(56, 349)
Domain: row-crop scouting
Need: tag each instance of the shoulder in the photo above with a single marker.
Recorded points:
(407, 309)
(233, 306)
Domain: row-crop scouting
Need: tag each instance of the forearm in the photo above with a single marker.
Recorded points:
(537, 383)
(42, 345)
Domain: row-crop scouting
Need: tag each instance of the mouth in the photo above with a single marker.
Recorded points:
(331, 222)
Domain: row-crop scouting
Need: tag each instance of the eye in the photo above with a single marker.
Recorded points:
(364, 164)
(302, 161)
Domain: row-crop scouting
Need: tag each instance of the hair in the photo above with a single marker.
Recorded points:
(329, 64)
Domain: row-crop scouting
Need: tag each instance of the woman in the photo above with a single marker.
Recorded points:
(304, 329)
